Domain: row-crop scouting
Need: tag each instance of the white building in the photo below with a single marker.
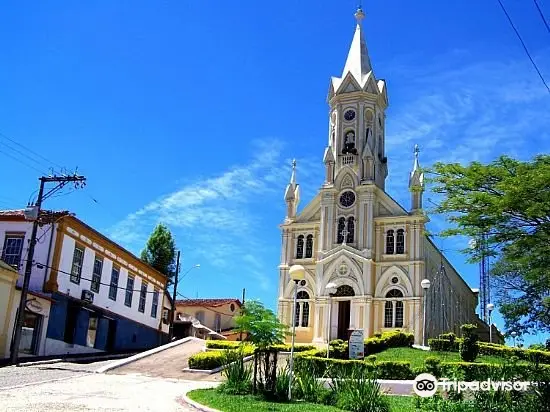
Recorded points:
(354, 234)
(103, 298)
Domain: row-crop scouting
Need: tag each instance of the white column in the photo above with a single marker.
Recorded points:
(323, 229)
(367, 322)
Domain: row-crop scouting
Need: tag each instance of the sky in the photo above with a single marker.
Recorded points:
(189, 113)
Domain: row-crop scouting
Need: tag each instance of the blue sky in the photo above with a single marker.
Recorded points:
(190, 112)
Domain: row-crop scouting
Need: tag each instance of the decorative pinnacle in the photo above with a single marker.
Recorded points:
(416, 164)
(359, 15)
(293, 175)
(416, 151)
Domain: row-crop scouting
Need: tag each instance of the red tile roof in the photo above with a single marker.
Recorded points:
(207, 302)
(18, 214)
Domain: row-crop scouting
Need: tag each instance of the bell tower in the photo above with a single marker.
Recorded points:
(357, 102)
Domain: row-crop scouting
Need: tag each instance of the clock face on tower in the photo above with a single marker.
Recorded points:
(349, 115)
(347, 199)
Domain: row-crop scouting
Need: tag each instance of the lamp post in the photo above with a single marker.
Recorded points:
(514, 334)
(331, 290)
(297, 273)
(490, 308)
(175, 291)
(425, 285)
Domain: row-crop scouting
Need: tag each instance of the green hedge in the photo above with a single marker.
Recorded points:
(341, 367)
(492, 349)
(224, 344)
(214, 359)
(482, 371)
(379, 343)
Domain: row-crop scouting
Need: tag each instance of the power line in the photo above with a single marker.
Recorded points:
(30, 150)
(524, 46)
(542, 15)
(22, 162)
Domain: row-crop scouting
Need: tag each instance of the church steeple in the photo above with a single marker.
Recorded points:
(292, 194)
(358, 101)
(358, 61)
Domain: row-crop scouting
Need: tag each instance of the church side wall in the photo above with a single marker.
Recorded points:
(450, 301)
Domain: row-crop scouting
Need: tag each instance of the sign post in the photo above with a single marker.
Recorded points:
(356, 344)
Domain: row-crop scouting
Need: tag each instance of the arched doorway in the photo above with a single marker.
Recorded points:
(344, 310)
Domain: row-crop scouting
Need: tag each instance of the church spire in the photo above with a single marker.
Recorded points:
(358, 61)
(292, 194)
(416, 183)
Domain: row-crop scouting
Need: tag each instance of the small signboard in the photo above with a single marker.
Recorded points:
(356, 344)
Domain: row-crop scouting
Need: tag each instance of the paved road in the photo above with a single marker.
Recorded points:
(74, 387)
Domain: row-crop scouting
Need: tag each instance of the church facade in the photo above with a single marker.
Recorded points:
(354, 236)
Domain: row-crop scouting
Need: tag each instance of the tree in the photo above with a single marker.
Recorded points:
(261, 325)
(160, 251)
(508, 201)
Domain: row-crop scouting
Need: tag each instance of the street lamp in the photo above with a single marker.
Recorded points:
(514, 334)
(331, 290)
(425, 285)
(490, 308)
(297, 273)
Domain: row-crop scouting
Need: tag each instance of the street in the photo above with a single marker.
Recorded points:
(76, 387)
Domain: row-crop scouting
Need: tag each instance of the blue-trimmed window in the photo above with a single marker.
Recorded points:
(129, 291)
(113, 287)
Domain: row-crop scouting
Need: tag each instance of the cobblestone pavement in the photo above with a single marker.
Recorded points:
(99, 392)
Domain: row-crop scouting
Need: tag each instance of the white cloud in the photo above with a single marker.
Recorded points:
(216, 217)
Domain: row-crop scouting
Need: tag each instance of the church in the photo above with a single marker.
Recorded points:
(354, 237)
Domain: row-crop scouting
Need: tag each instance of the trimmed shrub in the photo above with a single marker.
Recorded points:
(387, 340)
(222, 344)
(432, 365)
(206, 360)
(286, 347)
(469, 347)
(444, 345)
(216, 358)
(450, 336)
(339, 349)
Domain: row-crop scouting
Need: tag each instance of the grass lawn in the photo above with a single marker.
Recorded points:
(234, 403)
(417, 356)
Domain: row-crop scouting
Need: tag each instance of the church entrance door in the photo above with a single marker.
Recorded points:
(344, 307)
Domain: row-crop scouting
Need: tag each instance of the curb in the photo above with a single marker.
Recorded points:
(125, 361)
(41, 362)
(215, 370)
(197, 405)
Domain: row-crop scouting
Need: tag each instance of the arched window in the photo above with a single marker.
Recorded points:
(349, 143)
(300, 247)
(341, 228)
(301, 316)
(344, 290)
(393, 309)
(400, 242)
(390, 242)
(309, 246)
(351, 230)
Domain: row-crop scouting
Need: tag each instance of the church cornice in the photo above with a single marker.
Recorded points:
(343, 250)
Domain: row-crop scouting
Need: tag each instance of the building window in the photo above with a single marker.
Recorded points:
(129, 291)
(13, 247)
(76, 268)
(113, 287)
(351, 230)
(300, 247)
(96, 275)
(218, 322)
(341, 228)
(301, 316)
(142, 297)
(393, 310)
(165, 316)
(390, 242)
(309, 246)
(155, 304)
(400, 242)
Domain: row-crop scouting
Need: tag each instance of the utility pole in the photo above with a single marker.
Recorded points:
(61, 181)
(171, 333)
